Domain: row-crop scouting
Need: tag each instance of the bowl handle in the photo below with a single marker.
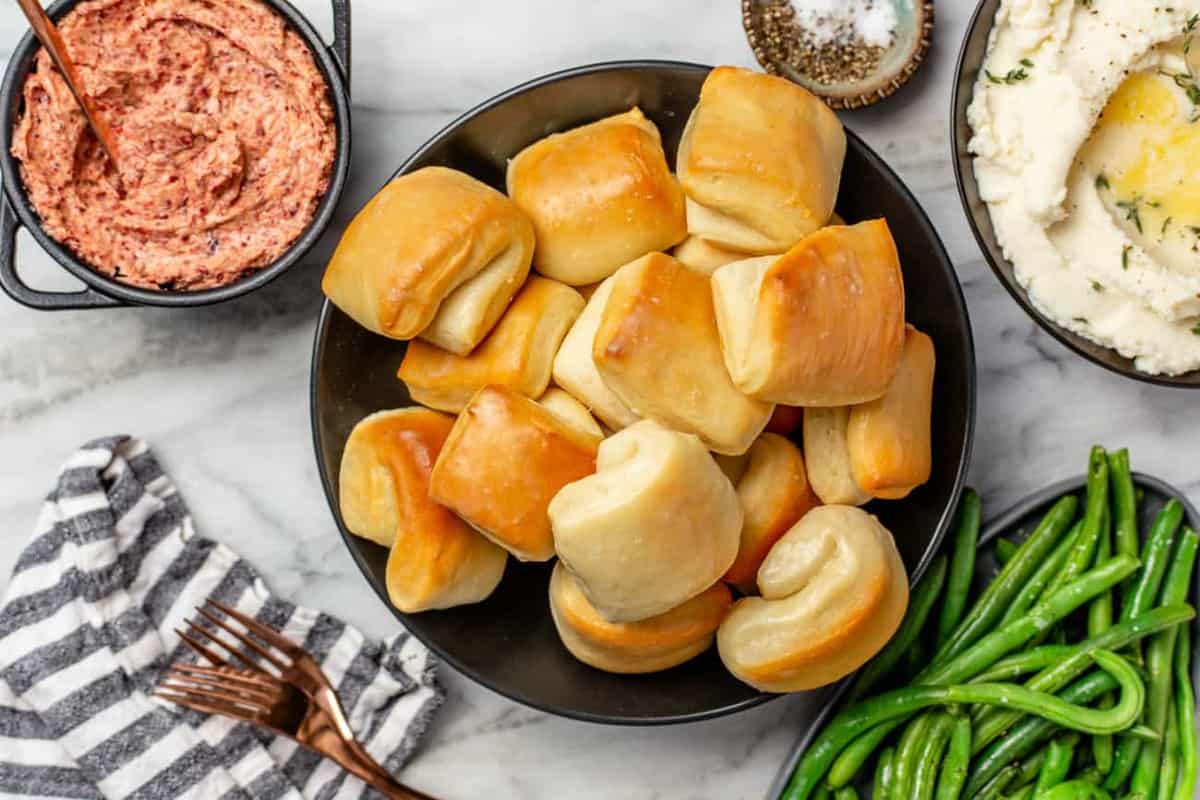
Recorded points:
(341, 37)
(17, 290)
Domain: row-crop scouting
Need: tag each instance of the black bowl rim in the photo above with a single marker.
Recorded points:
(1072, 341)
(14, 188)
(319, 342)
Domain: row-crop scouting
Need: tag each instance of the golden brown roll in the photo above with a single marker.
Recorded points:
(599, 196)
(435, 253)
(827, 457)
(833, 592)
(822, 325)
(889, 439)
(658, 350)
(649, 645)
(774, 494)
(505, 458)
(575, 371)
(518, 353)
(656, 525)
(760, 161)
(568, 409)
(703, 256)
(436, 560)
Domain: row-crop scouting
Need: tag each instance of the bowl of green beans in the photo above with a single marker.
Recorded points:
(1045, 656)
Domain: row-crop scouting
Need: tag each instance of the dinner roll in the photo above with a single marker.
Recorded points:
(656, 525)
(575, 371)
(774, 494)
(703, 256)
(760, 161)
(599, 196)
(436, 560)
(649, 645)
(827, 457)
(518, 353)
(889, 439)
(833, 592)
(821, 325)
(435, 253)
(571, 411)
(657, 348)
(502, 462)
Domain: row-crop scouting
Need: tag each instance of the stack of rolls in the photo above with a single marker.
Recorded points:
(635, 409)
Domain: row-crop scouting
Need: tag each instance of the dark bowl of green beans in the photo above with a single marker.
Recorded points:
(1047, 655)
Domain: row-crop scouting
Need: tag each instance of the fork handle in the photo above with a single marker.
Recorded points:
(380, 781)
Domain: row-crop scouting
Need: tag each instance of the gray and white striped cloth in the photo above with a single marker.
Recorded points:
(88, 623)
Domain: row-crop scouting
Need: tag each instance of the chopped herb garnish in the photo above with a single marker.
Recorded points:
(1154, 204)
(1010, 77)
(1125, 256)
(1185, 81)
(1097, 286)
(1132, 212)
(1025, 62)
(1196, 330)
(1166, 224)
(1102, 181)
(1194, 229)
(1080, 320)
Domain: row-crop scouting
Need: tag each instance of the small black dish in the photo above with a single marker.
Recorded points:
(508, 642)
(1016, 523)
(970, 60)
(102, 291)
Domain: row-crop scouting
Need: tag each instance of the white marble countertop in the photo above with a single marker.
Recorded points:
(222, 392)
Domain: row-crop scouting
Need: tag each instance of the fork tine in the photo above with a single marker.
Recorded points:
(222, 683)
(259, 679)
(233, 651)
(213, 695)
(271, 637)
(241, 637)
(201, 650)
(205, 707)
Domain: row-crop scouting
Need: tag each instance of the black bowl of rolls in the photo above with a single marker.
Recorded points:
(642, 391)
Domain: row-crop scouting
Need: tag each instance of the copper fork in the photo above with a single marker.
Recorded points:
(299, 703)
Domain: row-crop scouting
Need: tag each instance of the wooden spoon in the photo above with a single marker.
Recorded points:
(48, 35)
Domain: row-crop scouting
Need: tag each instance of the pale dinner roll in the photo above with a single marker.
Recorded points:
(505, 458)
(435, 253)
(436, 560)
(658, 350)
(821, 325)
(518, 353)
(649, 645)
(599, 196)
(827, 457)
(568, 409)
(889, 439)
(774, 494)
(833, 592)
(575, 371)
(703, 256)
(760, 161)
(656, 525)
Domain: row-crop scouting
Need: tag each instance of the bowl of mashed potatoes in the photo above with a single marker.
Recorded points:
(231, 127)
(1076, 128)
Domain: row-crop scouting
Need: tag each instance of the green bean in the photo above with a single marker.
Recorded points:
(994, 723)
(1185, 709)
(1084, 551)
(1024, 662)
(1125, 527)
(1090, 775)
(908, 750)
(1155, 556)
(924, 595)
(958, 757)
(1124, 760)
(994, 788)
(1024, 793)
(962, 567)
(846, 793)
(987, 651)
(930, 755)
(884, 775)
(903, 702)
(822, 793)
(915, 659)
(1076, 790)
(1035, 587)
(1060, 753)
(1169, 764)
(1100, 619)
(991, 605)
(1031, 765)
(1004, 549)
(1159, 659)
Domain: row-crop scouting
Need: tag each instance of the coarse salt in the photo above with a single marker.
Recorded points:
(826, 21)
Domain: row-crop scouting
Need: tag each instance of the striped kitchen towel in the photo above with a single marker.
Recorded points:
(88, 623)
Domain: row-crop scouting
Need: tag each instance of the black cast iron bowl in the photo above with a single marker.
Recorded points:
(101, 291)
(970, 61)
(508, 642)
